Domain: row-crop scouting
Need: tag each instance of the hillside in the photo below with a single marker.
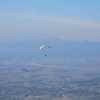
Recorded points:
(29, 49)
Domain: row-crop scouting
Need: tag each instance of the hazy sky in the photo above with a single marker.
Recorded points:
(66, 19)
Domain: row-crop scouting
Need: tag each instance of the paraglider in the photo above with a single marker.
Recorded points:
(43, 46)
(23, 70)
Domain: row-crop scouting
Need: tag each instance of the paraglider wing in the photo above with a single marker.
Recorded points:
(44, 46)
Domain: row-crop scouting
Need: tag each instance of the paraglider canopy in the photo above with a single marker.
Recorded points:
(44, 46)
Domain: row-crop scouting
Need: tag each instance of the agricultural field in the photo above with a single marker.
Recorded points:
(50, 79)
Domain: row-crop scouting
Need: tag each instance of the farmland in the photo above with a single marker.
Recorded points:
(60, 79)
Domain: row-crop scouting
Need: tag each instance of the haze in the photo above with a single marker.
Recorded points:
(68, 20)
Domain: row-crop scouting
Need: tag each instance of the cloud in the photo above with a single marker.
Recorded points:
(63, 20)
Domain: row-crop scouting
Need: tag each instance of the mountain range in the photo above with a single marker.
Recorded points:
(29, 49)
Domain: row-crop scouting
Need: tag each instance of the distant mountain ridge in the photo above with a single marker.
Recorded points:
(29, 49)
